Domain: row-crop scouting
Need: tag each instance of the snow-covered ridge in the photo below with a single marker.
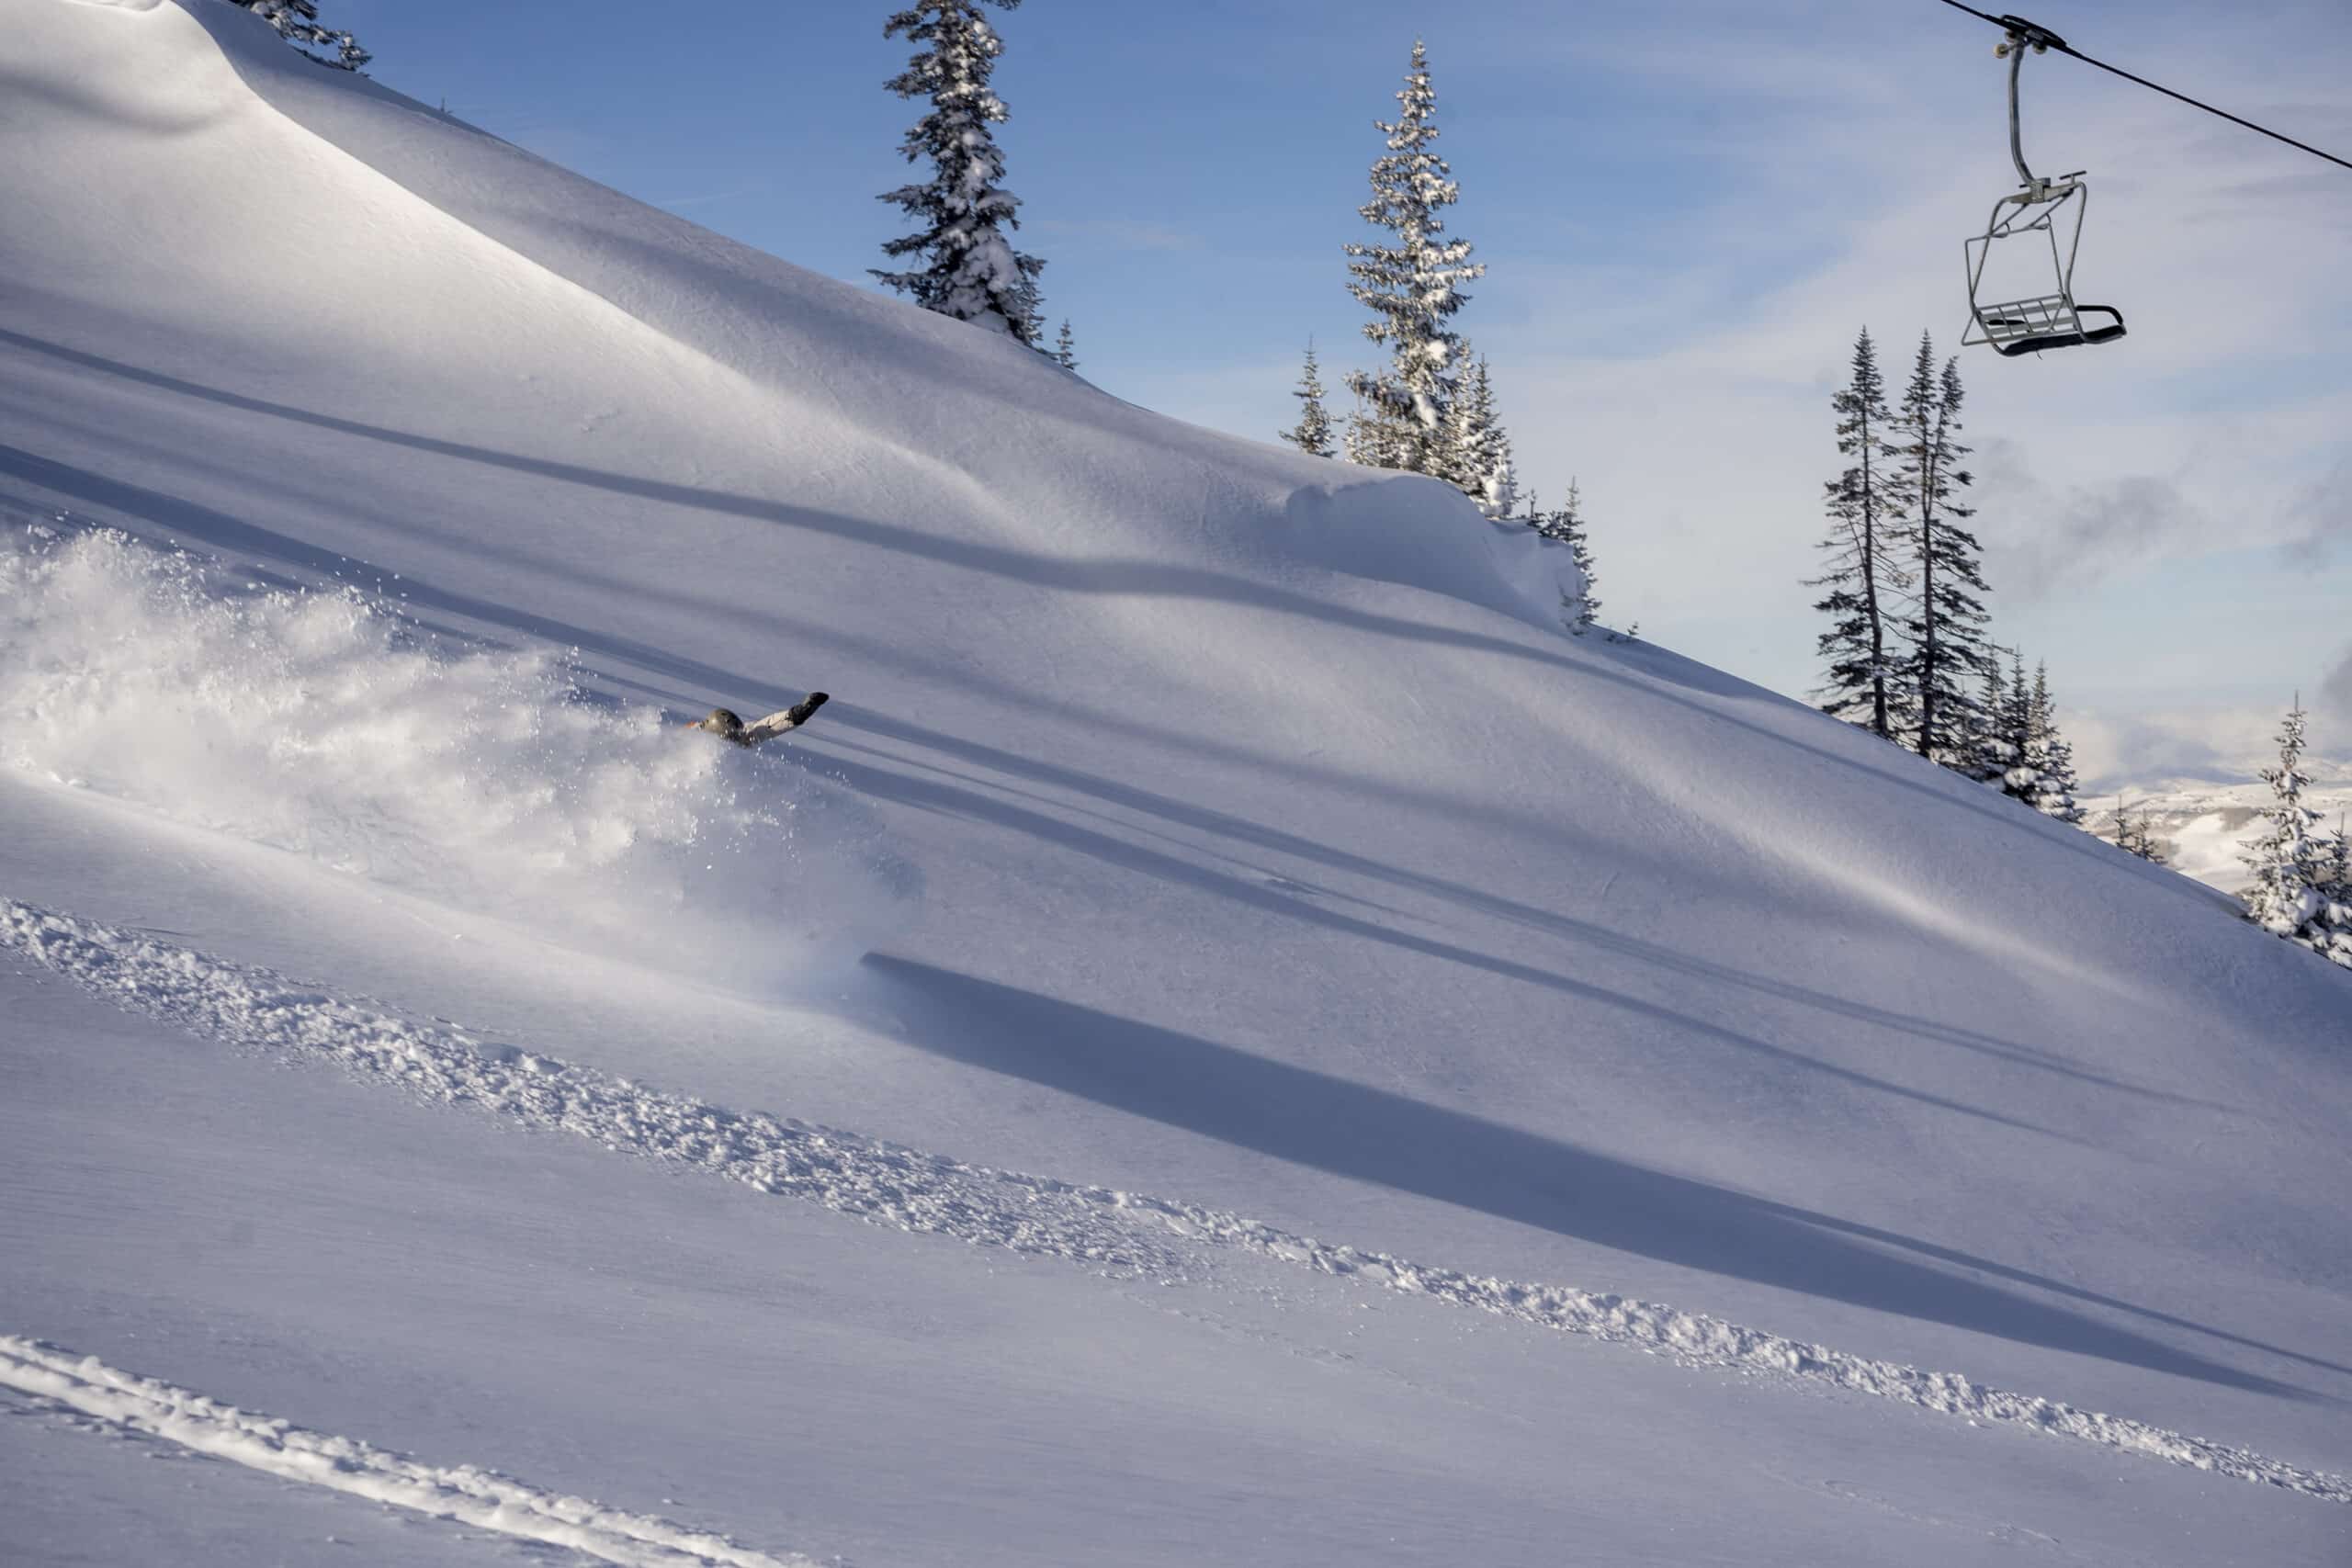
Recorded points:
(254, 1009)
(770, 330)
(466, 1492)
(326, 724)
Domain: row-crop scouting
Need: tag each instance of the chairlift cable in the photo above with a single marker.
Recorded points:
(2042, 36)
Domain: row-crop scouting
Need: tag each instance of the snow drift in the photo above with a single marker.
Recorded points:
(326, 724)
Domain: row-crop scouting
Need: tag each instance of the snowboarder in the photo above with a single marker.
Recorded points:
(724, 723)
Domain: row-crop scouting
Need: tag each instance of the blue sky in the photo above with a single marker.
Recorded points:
(1688, 208)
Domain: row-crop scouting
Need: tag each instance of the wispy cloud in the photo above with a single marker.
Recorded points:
(2049, 539)
(2334, 699)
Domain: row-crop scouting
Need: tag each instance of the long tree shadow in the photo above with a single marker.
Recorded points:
(1208, 819)
(218, 530)
(1373, 1136)
(1101, 575)
(952, 800)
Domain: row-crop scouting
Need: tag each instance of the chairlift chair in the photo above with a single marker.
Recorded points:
(2055, 319)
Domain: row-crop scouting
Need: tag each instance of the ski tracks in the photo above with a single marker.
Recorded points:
(471, 1495)
(1114, 1230)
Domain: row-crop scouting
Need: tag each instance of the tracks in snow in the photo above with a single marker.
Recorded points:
(257, 1009)
(482, 1498)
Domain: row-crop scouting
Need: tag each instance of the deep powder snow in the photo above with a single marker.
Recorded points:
(326, 724)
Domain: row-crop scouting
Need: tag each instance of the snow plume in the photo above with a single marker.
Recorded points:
(326, 724)
(482, 1499)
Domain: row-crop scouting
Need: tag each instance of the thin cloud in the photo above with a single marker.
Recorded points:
(2334, 699)
(2048, 538)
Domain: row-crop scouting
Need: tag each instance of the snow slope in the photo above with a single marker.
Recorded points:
(1191, 818)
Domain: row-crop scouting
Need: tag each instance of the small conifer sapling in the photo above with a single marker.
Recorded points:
(1312, 434)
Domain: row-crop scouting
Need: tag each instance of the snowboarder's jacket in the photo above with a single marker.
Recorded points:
(725, 724)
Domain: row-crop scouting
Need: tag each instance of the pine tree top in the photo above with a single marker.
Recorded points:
(973, 274)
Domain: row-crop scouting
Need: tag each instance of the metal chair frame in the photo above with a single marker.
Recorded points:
(2048, 320)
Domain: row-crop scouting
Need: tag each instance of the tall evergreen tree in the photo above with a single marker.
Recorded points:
(970, 270)
(296, 21)
(1862, 683)
(1412, 287)
(1946, 628)
(1066, 347)
(2052, 759)
(1312, 434)
(2298, 865)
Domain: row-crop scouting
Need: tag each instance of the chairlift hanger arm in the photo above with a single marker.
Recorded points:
(2043, 38)
(2015, 47)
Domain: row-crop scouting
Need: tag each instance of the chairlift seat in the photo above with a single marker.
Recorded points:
(2053, 320)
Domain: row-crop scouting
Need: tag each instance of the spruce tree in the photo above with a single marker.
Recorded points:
(1370, 439)
(2298, 865)
(2015, 725)
(1862, 683)
(2134, 836)
(1312, 434)
(1565, 525)
(1475, 453)
(1946, 627)
(1412, 287)
(2336, 910)
(1066, 347)
(1992, 753)
(970, 270)
(2053, 760)
(296, 21)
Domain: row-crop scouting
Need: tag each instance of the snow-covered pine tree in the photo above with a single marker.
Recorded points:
(1370, 439)
(2015, 725)
(1476, 452)
(1861, 686)
(296, 21)
(970, 270)
(1946, 628)
(1066, 347)
(2298, 865)
(2053, 760)
(1565, 525)
(2337, 912)
(1412, 287)
(1312, 434)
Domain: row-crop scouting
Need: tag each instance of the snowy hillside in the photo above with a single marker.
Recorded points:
(1217, 1045)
